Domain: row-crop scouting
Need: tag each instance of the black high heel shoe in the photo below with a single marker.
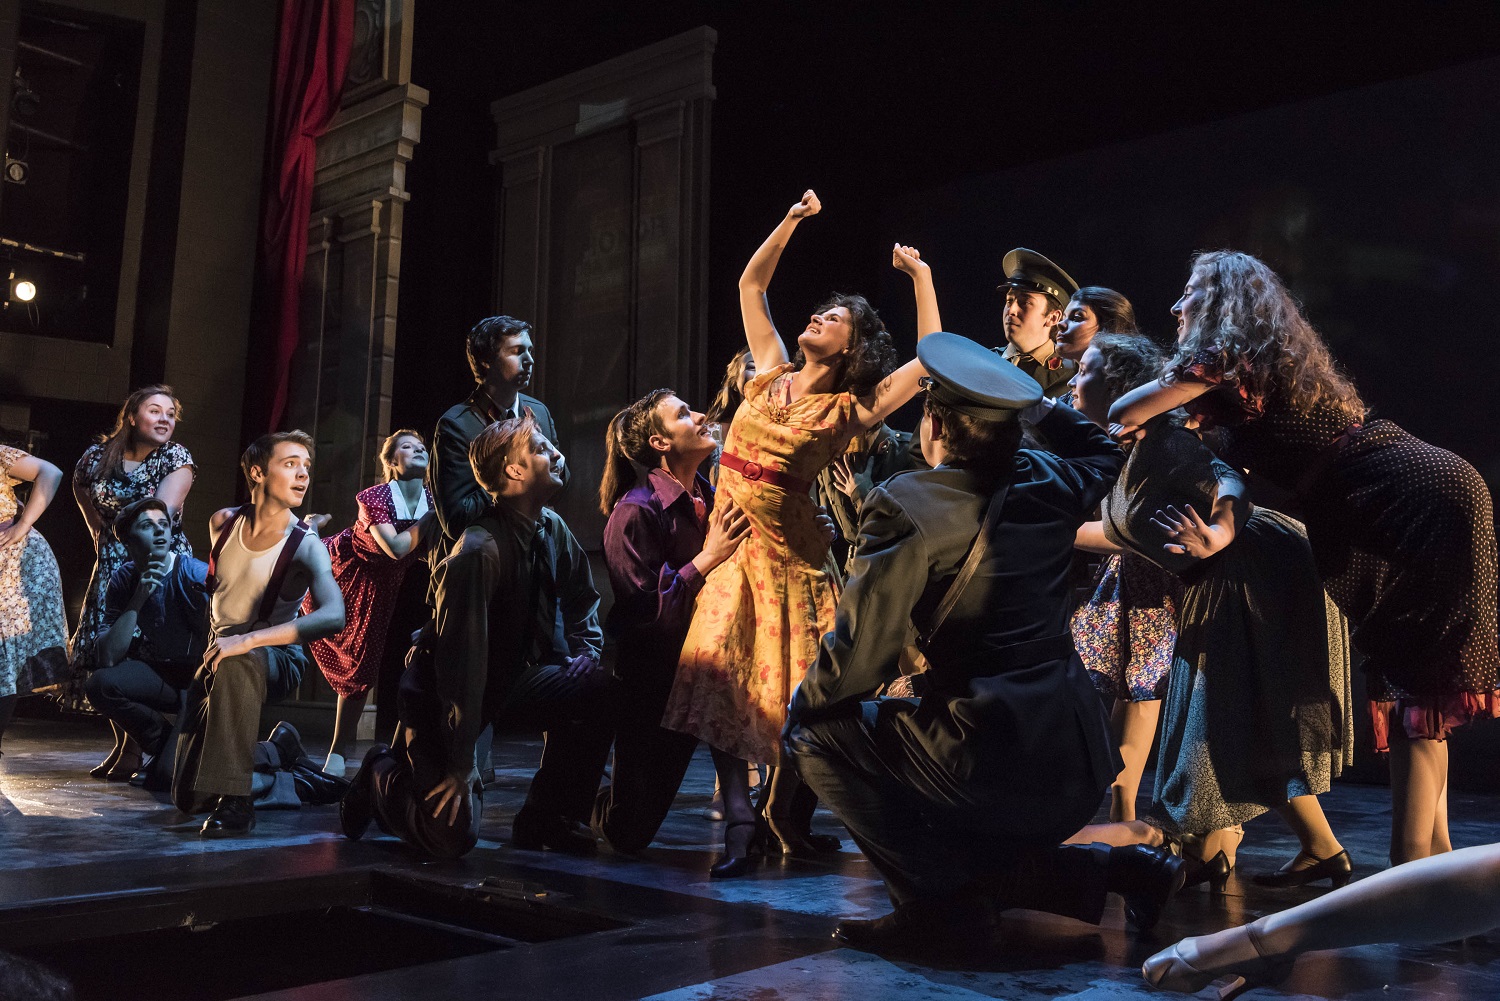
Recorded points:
(731, 866)
(104, 767)
(1215, 872)
(1337, 869)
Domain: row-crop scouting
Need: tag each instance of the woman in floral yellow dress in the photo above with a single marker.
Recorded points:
(762, 614)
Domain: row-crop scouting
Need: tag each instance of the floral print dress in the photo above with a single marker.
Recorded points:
(33, 626)
(762, 613)
(109, 495)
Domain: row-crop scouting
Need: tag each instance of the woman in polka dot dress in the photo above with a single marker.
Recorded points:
(1402, 531)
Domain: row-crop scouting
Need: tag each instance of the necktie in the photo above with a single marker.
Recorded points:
(700, 511)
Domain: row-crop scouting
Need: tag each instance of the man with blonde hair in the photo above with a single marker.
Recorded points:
(517, 640)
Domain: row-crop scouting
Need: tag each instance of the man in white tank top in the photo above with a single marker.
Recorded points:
(256, 651)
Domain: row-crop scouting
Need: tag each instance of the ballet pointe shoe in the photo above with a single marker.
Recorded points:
(732, 865)
(1337, 869)
(1215, 872)
(1169, 970)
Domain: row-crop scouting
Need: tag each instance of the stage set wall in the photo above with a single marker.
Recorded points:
(187, 265)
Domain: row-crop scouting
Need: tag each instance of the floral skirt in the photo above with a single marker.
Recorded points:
(1125, 632)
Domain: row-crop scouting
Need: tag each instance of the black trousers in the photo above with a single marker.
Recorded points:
(133, 694)
(577, 717)
(930, 845)
(650, 761)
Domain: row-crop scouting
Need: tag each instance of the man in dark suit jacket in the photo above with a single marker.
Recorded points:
(500, 355)
(961, 798)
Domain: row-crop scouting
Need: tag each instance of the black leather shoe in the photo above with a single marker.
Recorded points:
(952, 929)
(1147, 878)
(731, 866)
(557, 833)
(1337, 869)
(288, 743)
(1215, 872)
(357, 808)
(233, 816)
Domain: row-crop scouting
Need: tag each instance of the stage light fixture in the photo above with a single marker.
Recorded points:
(21, 290)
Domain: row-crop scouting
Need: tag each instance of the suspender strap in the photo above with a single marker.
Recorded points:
(280, 570)
(971, 564)
(211, 582)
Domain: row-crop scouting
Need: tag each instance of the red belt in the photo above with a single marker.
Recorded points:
(752, 470)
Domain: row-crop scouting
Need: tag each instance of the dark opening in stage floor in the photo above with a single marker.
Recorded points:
(95, 880)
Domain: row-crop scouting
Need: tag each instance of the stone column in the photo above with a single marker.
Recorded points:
(341, 384)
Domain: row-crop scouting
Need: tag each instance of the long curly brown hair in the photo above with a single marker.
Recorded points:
(1246, 318)
(871, 355)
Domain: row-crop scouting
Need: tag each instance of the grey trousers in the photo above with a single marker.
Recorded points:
(240, 686)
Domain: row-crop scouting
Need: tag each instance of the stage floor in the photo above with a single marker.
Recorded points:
(264, 916)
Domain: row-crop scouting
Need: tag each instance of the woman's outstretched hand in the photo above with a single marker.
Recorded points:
(809, 205)
(908, 259)
(1189, 533)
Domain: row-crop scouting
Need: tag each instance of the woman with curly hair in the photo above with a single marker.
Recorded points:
(762, 613)
(1253, 710)
(1402, 531)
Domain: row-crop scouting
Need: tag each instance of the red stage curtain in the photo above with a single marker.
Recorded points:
(312, 59)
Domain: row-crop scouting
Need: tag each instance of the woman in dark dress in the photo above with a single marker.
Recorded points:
(137, 459)
(1254, 716)
(1403, 531)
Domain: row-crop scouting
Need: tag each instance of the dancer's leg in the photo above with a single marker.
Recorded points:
(1437, 899)
(1134, 725)
(1419, 776)
(1226, 840)
(346, 726)
(7, 710)
(1304, 815)
(1440, 841)
(738, 811)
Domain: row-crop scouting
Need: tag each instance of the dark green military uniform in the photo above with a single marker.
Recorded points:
(1028, 271)
(1051, 370)
(1008, 752)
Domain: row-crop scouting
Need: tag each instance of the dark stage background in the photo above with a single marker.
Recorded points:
(965, 131)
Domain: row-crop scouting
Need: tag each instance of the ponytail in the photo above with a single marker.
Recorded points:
(627, 444)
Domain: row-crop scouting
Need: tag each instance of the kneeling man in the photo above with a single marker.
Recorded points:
(961, 797)
(517, 640)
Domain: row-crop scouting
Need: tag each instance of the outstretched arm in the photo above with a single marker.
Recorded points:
(909, 260)
(1188, 532)
(1155, 397)
(893, 391)
(755, 308)
(901, 385)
